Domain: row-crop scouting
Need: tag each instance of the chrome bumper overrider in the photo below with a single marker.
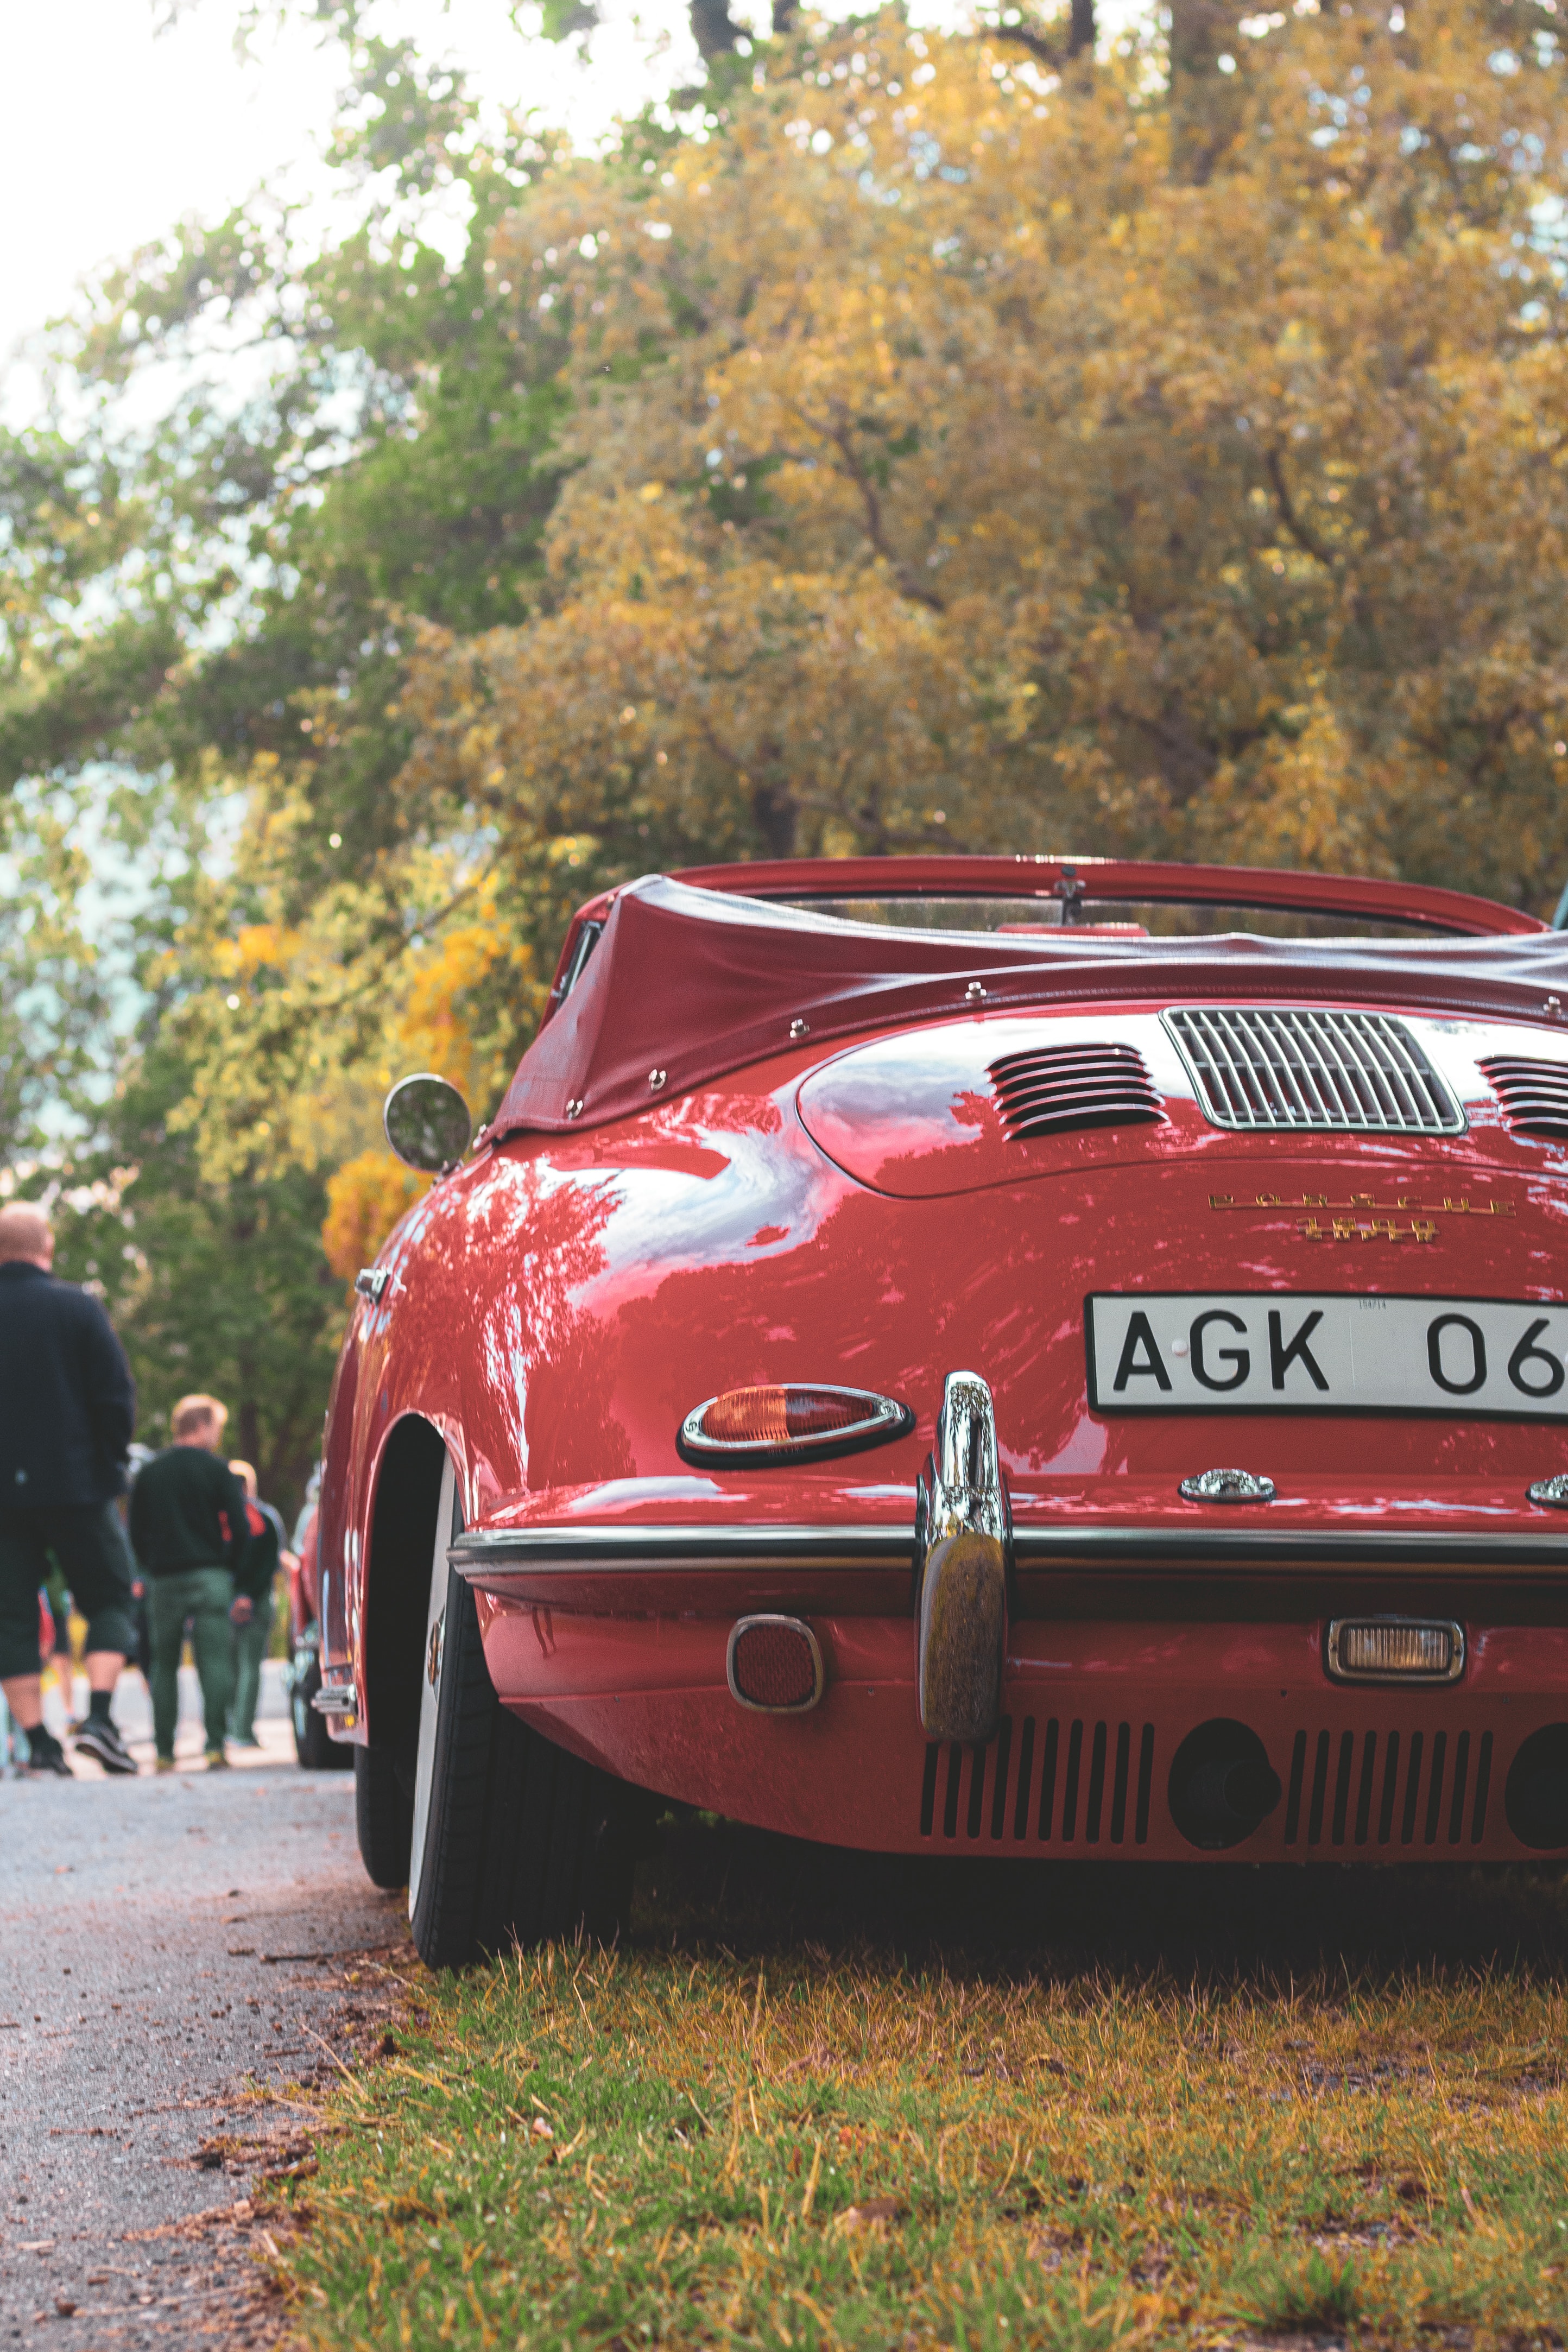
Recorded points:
(962, 1530)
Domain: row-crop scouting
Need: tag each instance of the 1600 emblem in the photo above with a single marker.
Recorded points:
(1364, 1218)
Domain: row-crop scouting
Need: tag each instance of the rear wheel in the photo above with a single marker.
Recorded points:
(315, 1746)
(383, 1817)
(512, 1838)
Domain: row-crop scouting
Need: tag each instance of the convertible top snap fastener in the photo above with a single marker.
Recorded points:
(656, 1078)
(1227, 1486)
(574, 1108)
(975, 992)
(798, 1028)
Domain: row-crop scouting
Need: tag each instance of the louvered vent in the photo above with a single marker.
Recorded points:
(1054, 1087)
(1533, 1095)
(1263, 1066)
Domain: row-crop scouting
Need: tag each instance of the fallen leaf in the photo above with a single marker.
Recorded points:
(875, 2214)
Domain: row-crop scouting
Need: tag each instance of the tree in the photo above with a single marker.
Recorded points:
(955, 461)
(978, 441)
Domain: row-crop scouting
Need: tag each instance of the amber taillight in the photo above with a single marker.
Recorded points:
(779, 1423)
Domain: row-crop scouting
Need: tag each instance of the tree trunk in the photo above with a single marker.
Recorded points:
(775, 811)
(1205, 100)
(712, 27)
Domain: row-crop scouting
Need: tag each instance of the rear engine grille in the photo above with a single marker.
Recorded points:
(1411, 1788)
(1056, 1088)
(1053, 1782)
(1533, 1095)
(1262, 1066)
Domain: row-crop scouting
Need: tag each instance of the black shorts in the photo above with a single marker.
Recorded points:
(87, 1544)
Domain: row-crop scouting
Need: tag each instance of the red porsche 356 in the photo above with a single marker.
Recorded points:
(990, 1356)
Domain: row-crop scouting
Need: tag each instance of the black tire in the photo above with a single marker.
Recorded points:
(383, 1817)
(315, 1746)
(522, 1842)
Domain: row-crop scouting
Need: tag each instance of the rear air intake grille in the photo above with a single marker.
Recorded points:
(1056, 1088)
(1408, 1788)
(1262, 1066)
(1533, 1095)
(1051, 1782)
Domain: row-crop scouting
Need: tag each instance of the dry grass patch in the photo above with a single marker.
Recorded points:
(795, 2145)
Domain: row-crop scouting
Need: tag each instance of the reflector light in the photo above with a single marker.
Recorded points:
(1396, 1649)
(758, 1424)
(774, 1665)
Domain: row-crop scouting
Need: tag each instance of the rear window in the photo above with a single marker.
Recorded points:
(1112, 917)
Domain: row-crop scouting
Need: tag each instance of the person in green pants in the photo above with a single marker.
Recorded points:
(253, 1634)
(190, 1535)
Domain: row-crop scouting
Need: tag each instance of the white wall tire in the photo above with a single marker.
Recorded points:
(513, 1840)
(431, 1658)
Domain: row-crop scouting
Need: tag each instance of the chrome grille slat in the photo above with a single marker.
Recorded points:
(1312, 1067)
(1534, 1094)
(1051, 1088)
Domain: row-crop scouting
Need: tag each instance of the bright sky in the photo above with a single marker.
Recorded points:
(111, 130)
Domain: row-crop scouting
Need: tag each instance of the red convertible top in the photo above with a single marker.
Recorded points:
(674, 981)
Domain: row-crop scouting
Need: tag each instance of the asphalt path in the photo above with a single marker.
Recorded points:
(175, 1957)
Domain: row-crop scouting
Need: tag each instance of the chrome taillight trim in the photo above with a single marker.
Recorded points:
(794, 1626)
(886, 1418)
(1389, 1677)
(1302, 1069)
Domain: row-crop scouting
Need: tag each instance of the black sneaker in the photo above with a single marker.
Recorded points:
(45, 1754)
(102, 1739)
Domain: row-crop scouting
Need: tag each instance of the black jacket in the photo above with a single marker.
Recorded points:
(187, 1510)
(68, 1403)
(261, 1562)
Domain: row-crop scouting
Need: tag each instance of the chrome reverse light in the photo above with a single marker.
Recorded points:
(789, 1422)
(1395, 1649)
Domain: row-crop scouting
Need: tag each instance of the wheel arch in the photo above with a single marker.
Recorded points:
(397, 1584)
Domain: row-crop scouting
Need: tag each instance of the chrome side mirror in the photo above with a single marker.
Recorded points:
(428, 1123)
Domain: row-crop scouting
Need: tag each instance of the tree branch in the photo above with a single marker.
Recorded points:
(1058, 47)
(915, 590)
(1304, 536)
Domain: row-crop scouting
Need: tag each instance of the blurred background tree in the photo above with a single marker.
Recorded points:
(1016, 438)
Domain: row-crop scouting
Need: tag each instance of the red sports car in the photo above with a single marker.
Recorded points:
(990, 1356)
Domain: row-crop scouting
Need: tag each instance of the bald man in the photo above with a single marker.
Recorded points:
(67, 1407)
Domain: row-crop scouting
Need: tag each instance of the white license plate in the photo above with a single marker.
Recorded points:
(1312, 1351)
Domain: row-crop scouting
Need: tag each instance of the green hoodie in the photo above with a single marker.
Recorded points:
(187, 1510)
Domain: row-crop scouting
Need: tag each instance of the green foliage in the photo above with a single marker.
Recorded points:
(214, 608)
(214, 1287)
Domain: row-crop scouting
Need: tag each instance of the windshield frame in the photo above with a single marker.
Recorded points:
(1073, 883)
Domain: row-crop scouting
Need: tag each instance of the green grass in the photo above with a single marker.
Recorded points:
(801, 2106)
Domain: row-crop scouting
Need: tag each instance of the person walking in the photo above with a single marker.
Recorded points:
(190, 1536)
(68, 1406)
(253, 1634)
